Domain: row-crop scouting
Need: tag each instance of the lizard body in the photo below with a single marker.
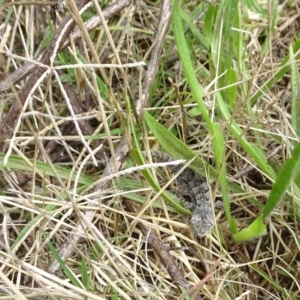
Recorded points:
(195, 186)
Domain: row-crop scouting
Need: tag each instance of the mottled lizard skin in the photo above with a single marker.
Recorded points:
(195, 186)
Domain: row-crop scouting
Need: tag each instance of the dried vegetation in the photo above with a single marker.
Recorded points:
(78, 218)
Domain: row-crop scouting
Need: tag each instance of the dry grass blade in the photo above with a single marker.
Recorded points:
(8, 125)
(23, 71)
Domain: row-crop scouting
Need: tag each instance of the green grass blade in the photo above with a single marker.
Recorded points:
(256, 7)
(295, 83)
(197, 34)
(283, 181)
(219, 146)
(197, 94)
(282, 70)
(255, 152)
(84, 274)
(189, 71)
(224, 36)
(231, 91)
(274, 15)
(18, 163)
(61, 262)
(276, 284)
(177, 149)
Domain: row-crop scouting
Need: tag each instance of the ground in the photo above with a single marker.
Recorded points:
(84, 215)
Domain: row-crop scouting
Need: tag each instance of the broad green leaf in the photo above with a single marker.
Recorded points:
(165, 195)
(283, 181)
(149, 177)
(176, 148)
(255, 230)
(208, 25)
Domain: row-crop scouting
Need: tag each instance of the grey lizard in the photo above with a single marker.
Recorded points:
(195, 186)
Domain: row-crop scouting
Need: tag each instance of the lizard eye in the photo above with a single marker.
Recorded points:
(60, 7)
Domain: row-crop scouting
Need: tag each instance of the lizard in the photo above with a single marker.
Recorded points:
(196, 187)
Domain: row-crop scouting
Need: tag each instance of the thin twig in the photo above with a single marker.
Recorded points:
(159, 248)
(155, 56)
